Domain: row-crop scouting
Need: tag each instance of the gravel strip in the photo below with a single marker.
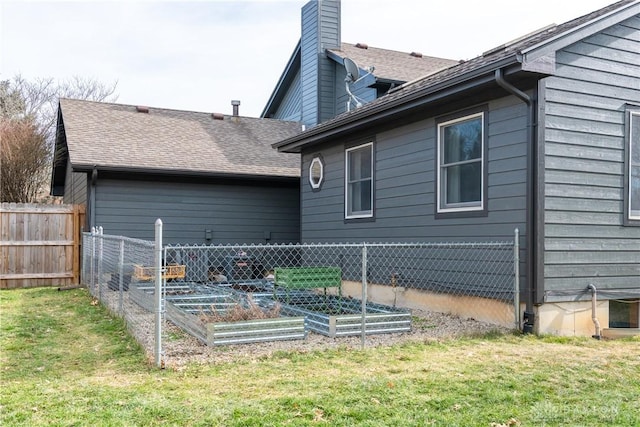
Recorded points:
(181, 349)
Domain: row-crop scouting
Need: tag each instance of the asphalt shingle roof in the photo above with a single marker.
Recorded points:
(434, 81)
(391, 64)
(118, 136)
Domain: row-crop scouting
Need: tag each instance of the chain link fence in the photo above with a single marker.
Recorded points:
(253, 293)
(108, 264)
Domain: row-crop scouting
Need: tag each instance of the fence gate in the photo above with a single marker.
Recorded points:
(40, 245)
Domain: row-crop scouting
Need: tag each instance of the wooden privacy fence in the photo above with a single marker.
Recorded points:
(40, 245)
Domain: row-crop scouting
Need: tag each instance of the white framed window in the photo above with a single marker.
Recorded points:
(633, 166)
(461, 163)
(359, 181)
(316, 173)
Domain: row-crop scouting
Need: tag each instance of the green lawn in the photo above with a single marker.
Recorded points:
(66, 362)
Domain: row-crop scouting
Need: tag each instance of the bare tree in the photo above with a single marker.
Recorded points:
(28, 112)
(24, 160)
(38, 99)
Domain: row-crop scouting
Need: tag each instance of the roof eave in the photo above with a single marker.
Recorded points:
(419, 98)
(86, 168)
(60, 159)
(579, 32)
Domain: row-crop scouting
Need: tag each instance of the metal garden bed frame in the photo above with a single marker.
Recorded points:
(336, 316)
(185, 303)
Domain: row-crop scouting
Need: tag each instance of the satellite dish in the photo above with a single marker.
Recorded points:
(353, 75)
(353, 72)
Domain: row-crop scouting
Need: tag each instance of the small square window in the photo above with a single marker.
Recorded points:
(359, 181)
(624, 314)
(316, 173)
(461, 164)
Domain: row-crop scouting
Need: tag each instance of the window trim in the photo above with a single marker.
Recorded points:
(316, 159)
(632, 113)
(472, 208)
(359, 214)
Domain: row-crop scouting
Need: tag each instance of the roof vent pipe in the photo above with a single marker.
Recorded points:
(236, 109)
(594, 317)
(217, 116)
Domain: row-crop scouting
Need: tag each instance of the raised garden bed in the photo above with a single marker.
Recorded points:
(142, 293)
(253, 287)
(335, 316)
(200, 315)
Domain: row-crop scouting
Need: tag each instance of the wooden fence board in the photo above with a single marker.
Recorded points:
(40, 245)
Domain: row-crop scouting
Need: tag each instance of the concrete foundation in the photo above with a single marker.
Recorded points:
(570, 318)
(500, 313)
(553, 318)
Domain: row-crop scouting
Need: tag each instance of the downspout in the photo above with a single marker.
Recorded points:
(92, 197)
(594, 303)
(532, 176)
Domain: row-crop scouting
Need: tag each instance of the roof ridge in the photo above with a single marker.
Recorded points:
(393, 50)
(174, 110)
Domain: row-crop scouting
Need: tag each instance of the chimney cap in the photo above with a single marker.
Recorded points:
(235, 102)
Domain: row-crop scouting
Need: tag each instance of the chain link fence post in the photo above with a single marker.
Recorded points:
(121, 277)
(516, 278)
(364, 295)
(93, 261)
(158, 294)
(100, 259)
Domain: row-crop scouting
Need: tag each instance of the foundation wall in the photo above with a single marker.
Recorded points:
(570, 318)
(553, 318)
(487, 310)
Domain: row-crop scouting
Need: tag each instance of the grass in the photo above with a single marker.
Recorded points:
(67, 362)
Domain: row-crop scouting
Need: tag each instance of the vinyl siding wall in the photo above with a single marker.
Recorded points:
(404, 197)
(291, 105)
(320, 30)
(75, 191)
(585, 240)
(309, 64)
(234, 213)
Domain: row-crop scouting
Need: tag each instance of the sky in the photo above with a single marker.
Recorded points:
(200, 55)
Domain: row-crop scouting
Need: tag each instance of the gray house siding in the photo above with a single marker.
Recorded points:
(320, 30)
(309, 64)
(404, 182)
(234, 213)
(291, 105)
(75, 191)
(334, 95)
(584, 149)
